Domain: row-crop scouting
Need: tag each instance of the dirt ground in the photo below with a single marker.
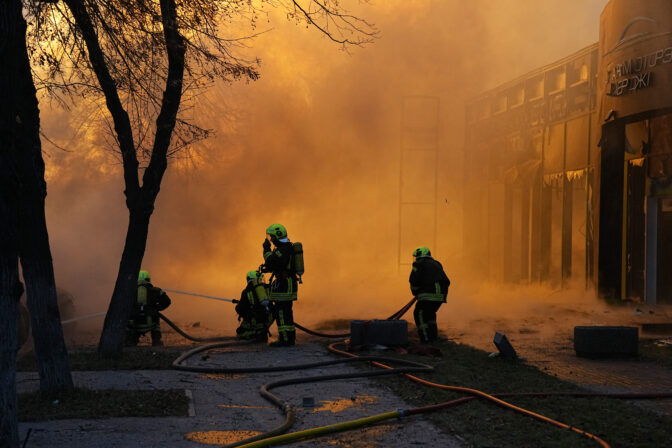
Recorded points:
(543, 335)
(228, 407)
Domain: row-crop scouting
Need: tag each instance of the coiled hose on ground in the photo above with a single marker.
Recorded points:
(287, 409)
(277, 435)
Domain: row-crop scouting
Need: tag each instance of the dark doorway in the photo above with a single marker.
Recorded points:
(664, 286)
(635, 225)
(610, 242)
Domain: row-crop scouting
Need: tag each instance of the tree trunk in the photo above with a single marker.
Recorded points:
(10, 287)
(10, 292)
(38, 272)
(35, 255)
(139, 200)
(125, 289)
(34, 252)
(23, 121)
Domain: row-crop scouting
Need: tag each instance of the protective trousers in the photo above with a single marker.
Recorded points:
(425, 319)
(284, 318)
(140, 324)
(133, 336)
(254, 325)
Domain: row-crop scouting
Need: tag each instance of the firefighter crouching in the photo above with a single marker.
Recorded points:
(253, 309)
(285, 262)
(429, 284)
(144, 318)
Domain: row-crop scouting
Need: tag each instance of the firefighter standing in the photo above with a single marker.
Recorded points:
(429, 284)
(150, 300)
(284, 282)
(253, 309)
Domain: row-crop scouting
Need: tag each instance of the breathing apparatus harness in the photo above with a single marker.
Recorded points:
(295, 266)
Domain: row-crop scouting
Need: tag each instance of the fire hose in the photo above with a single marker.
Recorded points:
(277, 435)
(299, 326)
(285, 407)
(192, 338)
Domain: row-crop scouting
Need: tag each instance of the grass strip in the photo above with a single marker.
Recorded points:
(481, 424)
(133, 358)
(85, 403)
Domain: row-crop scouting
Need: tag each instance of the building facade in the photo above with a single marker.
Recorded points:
(569, 168)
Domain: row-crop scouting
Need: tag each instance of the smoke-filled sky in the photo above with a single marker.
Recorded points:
(315, 144)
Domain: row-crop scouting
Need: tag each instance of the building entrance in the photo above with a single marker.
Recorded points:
(634, 261)
(664, 279)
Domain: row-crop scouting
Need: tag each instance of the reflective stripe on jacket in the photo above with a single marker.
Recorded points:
(279, 262)
(283, 289)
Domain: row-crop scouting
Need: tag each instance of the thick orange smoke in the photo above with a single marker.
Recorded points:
(315, 145)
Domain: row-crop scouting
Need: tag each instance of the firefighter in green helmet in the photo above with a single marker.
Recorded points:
(144, 318)
(279, 259)
(253, 309)
(429, 285)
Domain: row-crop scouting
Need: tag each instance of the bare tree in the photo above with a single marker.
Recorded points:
(144, 57)
(22, 220)
(22, 146)
(10, 290)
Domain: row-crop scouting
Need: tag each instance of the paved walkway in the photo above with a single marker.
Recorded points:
(225, 406)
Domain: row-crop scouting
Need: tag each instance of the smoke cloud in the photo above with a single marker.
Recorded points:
(315, 144)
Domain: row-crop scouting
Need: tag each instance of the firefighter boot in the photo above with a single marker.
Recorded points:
(262, 336)
(278, 343)
(285, 339)
(156, 338)
(432, 331)
(291, 337)
(282, 341)
(132, 338)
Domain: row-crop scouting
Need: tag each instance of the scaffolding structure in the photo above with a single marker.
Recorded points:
(418, 176)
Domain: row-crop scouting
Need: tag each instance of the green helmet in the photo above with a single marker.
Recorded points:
(422, 251)
(277, 230)
(143, 277)
(252, 275)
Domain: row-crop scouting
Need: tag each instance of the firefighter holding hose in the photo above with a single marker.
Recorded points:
(285, 262)
(254, 309)
(429, 285)
(150, 300)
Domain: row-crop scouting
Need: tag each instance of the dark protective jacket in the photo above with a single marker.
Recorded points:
(428, 280)
(150, 300)
(280, 263)
(254, 316)
(249, 302)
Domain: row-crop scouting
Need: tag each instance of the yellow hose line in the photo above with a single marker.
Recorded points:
(478, 393)
(314, 432)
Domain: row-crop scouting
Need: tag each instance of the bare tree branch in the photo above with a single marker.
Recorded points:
(132, 43)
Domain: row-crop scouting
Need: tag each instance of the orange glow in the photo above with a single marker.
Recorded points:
(314, 145)
(220, 437)
(336, 406)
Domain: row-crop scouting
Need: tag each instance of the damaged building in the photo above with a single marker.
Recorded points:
(569, 167)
